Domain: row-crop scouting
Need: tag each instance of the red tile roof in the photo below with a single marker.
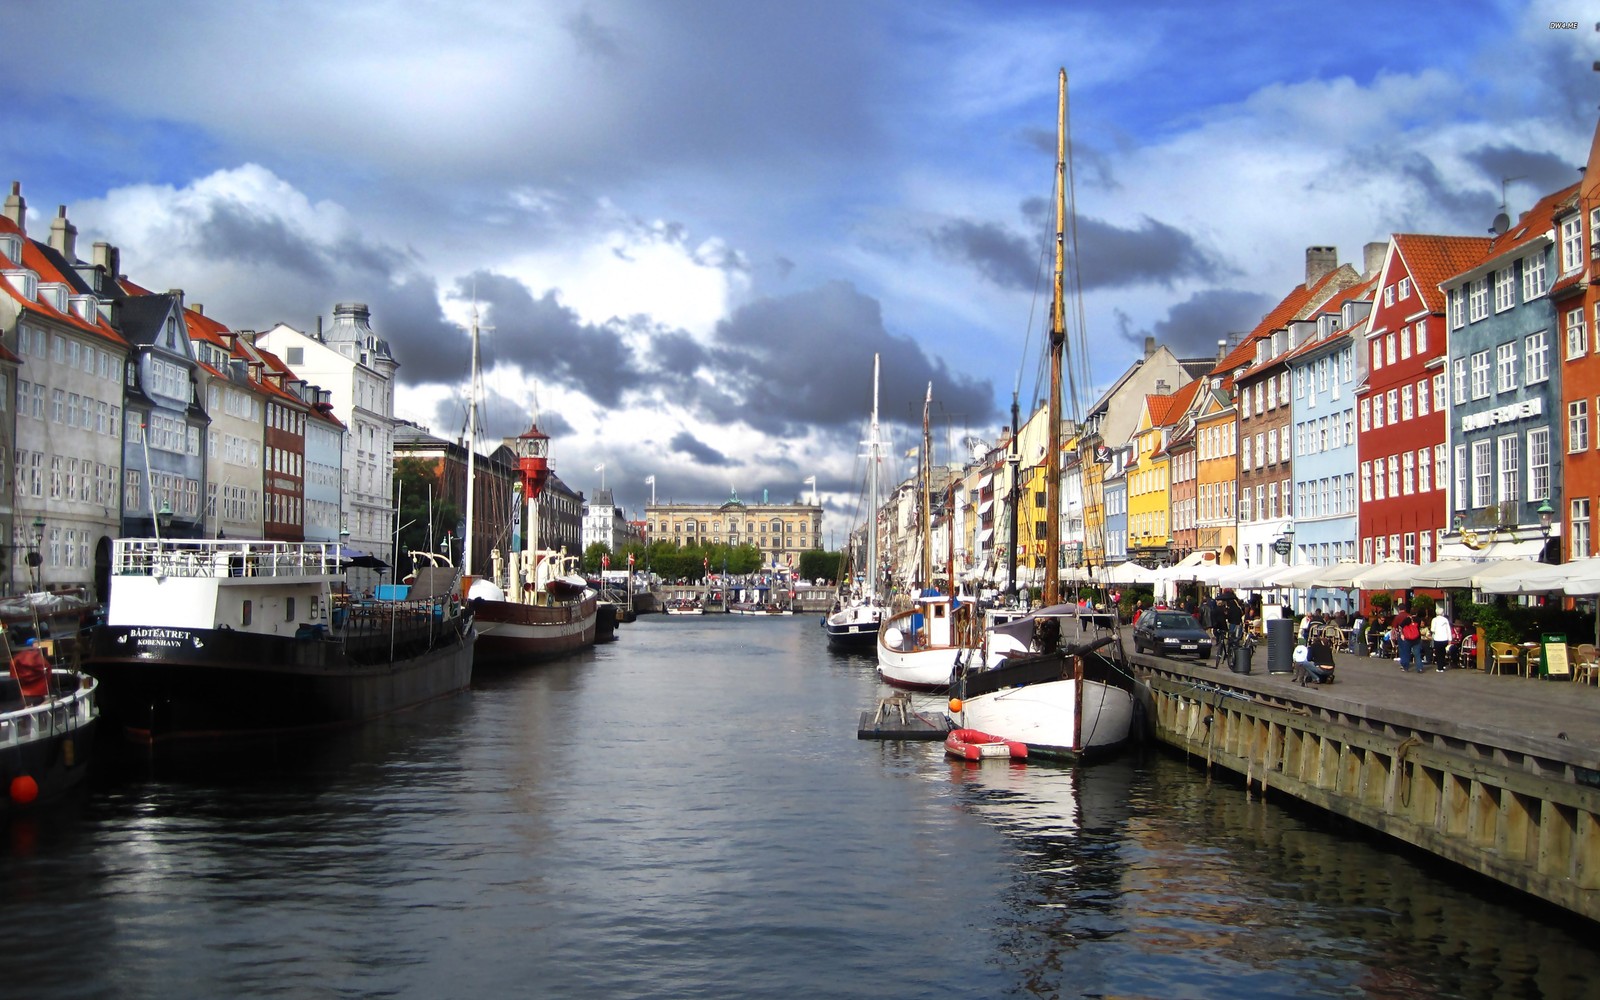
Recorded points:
(40, 264)
(1432, 259)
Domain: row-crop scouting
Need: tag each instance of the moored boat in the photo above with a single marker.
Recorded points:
(857, 616)
(974, 744)
(920, 647)
(47, 724)
(213, 639)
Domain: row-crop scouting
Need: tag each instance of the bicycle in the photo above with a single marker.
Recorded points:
(1228, 649)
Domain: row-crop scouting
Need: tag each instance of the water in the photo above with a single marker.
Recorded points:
(687, 813)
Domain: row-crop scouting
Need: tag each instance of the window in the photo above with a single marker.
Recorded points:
(1461, 378)
(1378, 491)
(1377, 355)
(1477, 299)
(1422, 398)
(1504, 284)
(1580, 528)
(1534, 279)
(1577, 335)
(1455, 308)
(1392, 405)
(1439, 400)
(1508, 467)
(1390, 357)
(1539, 464)
(1364, 411)
(1577, 426)
(1505, 363)
(1377, 413)
(1272, 394)
(1441, 467)
(1405, 342)
(1421, 330)
(1424, 462)
(1404, 287)
(1406, 412)
(1536, 358)
(1482, 473)
(1283, 435)
(1571, 243)
(1388, 295)
(1366, 481)
(1480, 375)
(1408, 475)
(1394, 475)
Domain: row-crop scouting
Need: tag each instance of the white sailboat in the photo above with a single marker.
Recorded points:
(854, 623)
(539, 605)
(1043, 681)
(919, 647)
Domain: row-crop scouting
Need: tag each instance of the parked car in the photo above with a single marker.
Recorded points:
(1171, 633)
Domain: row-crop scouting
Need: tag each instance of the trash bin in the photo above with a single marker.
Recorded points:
(1280, 646)
(1241, 659)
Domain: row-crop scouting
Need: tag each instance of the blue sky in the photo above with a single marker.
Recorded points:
(692, 224)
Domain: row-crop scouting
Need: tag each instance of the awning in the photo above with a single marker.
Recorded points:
(983, 508)
(1528, 548)
(985, 535)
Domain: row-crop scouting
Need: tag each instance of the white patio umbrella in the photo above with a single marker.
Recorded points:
(1129, 573)
(1387, 576)
(1293, 577)
(1244, 577)
(1341, 575)
(1530, 578)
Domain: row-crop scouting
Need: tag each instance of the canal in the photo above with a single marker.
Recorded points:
(687, 813)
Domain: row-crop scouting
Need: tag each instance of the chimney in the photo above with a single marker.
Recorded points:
(1372, 258)
(64, 235)
(1149, 347)
(1320, 261)
(198, 308)
(1222, 348)
(108, 257)
(16, 208)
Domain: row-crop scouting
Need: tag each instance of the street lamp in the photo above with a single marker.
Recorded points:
(35, 559)
(164, 516)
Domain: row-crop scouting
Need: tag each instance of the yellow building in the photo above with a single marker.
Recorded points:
(780, 530)
(1149, 484)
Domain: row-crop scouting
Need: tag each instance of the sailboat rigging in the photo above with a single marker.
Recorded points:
(854, 621)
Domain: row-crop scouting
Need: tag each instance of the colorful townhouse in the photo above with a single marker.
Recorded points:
(1216, 437)
(1325, 370)
(1185, 474)
(1579, 315)
(1401, 426)
(1149, 477)
(64, 471)
(1506, 417)
(1115, 492)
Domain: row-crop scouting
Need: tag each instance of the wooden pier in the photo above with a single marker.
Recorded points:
(1499, 774)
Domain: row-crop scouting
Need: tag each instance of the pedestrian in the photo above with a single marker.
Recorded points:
(1233, 611)
(1441, 637)
(1409, 634)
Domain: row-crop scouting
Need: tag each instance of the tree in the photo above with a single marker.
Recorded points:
(818, 564)
(426, 518)
(592, 556)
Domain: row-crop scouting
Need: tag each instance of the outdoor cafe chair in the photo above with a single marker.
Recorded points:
(1502, 655)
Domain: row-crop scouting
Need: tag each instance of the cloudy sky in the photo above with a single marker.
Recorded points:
(690, 225)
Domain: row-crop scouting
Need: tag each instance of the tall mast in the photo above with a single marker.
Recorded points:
(1052, 482)
(926, 470)
(472, 444)
(874, 449)
(1014, 461)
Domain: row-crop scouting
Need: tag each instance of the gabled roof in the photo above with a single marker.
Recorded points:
(1354, 293)
(1291, 306)
(52, 268)
(1430, 260)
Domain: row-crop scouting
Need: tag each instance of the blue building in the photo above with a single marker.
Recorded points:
(1325, 369)
(164, 423)
(1505, 394)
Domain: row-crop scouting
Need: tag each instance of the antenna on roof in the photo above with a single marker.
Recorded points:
(1502, 220)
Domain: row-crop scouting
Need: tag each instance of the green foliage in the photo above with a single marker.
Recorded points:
(1382, 602)
(424, 527)
(818, 564)
(1423, 607)
(592, 556)
(1503, 621)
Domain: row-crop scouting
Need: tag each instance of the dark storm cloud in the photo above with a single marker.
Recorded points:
(805, 360)
(430, 348)
(499, 417)
(698, 450)
(547, 340)
(1192, 327)
(1534, 172)
(232, 231)
(1108, 256)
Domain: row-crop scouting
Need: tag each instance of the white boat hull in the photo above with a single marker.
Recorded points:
(1045, 716)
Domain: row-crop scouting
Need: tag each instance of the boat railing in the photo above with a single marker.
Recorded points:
(73, 707)
(206, 558)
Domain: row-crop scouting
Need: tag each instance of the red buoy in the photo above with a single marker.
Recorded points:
(24, 789)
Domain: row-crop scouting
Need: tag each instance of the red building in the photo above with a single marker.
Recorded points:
(1578, 318)
(1404, 462)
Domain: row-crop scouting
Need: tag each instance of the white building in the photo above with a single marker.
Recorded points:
(357, 368)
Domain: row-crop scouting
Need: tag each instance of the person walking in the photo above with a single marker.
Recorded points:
(1440, 627)
(1410, 633)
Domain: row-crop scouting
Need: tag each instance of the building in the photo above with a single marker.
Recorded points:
(1505, 388)
(780, 530)
(63, 475)
(1325, 370)
(357, 368)
(605, 523)
(1579, 337)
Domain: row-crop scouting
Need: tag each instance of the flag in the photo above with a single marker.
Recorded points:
(649, 480)
(601, 467)
(913, 452)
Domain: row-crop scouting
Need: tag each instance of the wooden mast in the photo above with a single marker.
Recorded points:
(1052, 482)
(926, 470)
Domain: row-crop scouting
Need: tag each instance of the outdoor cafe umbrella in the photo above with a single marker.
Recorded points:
(1293, 577)
(1341, 575)
(1532, 578)
(1395, 575)
(1127, 573)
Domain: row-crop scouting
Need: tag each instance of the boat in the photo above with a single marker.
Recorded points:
(685, 604)
(1043, 679)
(857, 615)
(974, 744)
(920, 646)
(224, 639)
(47, 724)
(538, 605)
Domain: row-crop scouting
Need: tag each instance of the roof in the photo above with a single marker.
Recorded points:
(1298, 304)
(1430, 260)
(1354, 293)
(52, 268)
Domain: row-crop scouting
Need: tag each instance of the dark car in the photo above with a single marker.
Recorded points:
(1171, 633)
